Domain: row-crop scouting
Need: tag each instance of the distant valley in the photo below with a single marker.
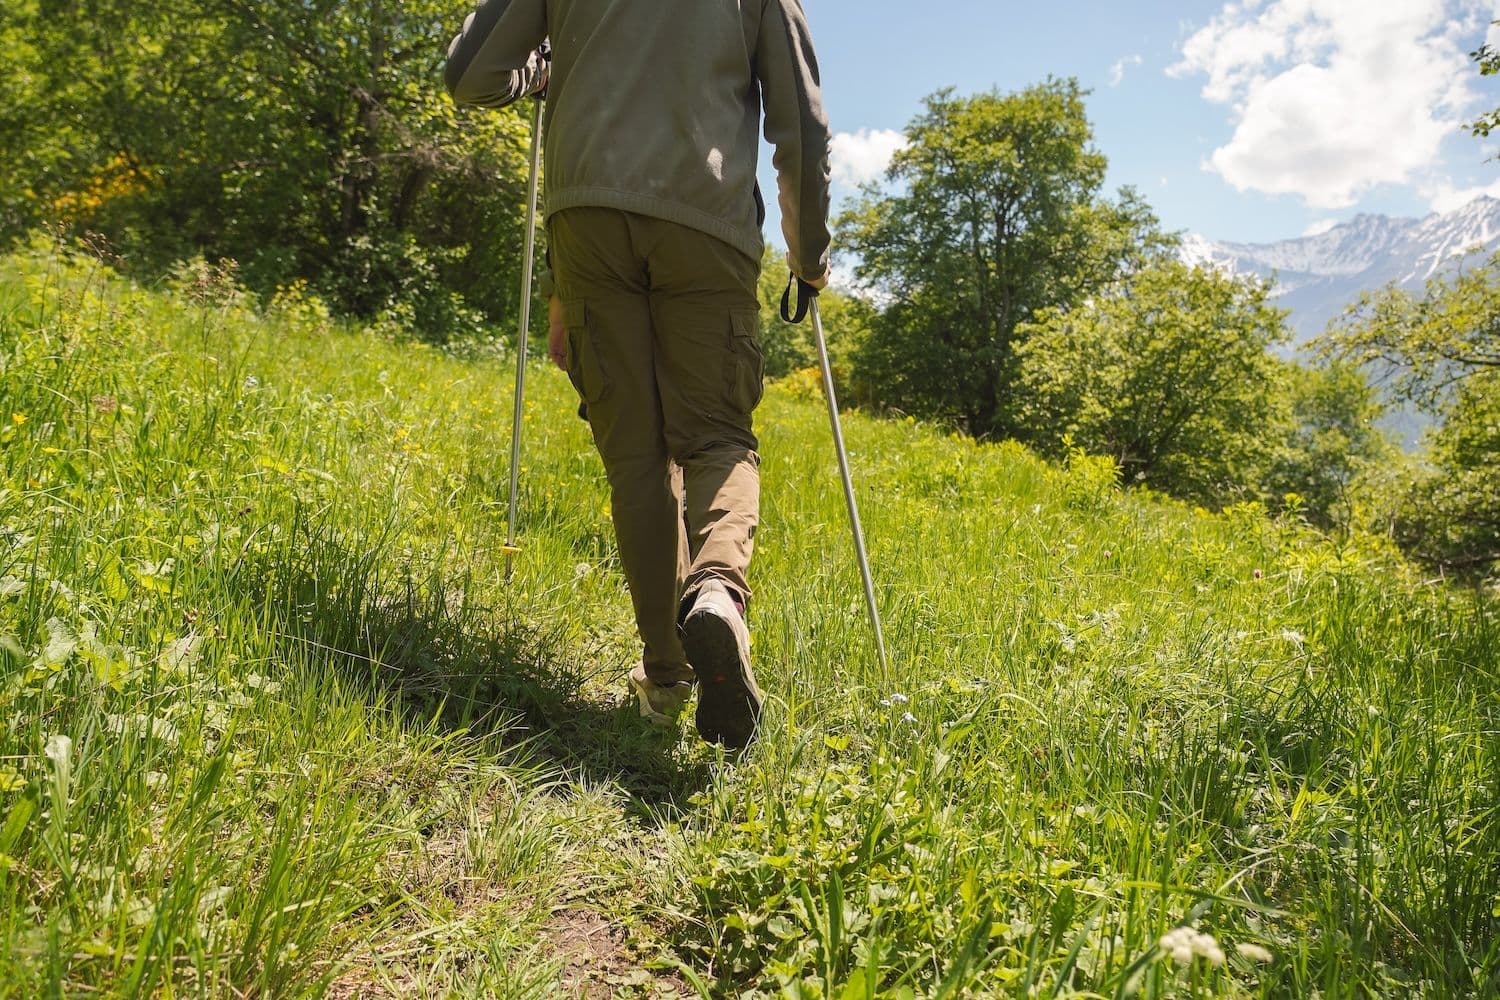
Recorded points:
(1317, 277)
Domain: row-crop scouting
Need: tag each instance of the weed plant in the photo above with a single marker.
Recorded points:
(279, 718)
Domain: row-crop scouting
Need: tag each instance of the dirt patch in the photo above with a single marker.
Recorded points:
(599, 960)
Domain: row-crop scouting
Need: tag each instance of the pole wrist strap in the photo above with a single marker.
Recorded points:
(805, 294)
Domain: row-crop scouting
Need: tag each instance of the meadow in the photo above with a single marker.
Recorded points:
(279, 720)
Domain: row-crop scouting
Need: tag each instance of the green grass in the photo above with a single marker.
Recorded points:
(276, 721)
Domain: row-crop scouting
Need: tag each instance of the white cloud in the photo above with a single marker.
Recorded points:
(863, 156)
(1117, 71)
(1331, 98)
(1445, 197)
(1320, 227)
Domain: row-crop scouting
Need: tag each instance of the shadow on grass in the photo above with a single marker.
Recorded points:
(476, 670)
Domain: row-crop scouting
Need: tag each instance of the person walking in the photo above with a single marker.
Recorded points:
(652, 121)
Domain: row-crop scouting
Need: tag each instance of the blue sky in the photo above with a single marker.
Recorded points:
(1253, 120)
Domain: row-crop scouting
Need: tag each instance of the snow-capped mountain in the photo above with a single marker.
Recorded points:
(1317, 276)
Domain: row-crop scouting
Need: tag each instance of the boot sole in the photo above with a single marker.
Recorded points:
(729, 706)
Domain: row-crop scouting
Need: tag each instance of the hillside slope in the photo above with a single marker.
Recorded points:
(278, 720)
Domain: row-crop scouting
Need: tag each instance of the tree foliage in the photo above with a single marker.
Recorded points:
(304, 138)
(1168, 371)
(1488, 59)
(1441, 352)
(1331, 445)
(995, 215)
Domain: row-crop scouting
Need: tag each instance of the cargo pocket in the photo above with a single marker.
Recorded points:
(584, 369)
(745, 373)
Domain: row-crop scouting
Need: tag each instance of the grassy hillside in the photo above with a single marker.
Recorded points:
(277, 721)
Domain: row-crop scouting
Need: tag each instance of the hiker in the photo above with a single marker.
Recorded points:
(653, 213)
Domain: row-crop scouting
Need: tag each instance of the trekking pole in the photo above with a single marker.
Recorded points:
(528, 259)
(807, 298)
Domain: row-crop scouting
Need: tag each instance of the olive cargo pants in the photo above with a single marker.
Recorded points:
(662, 324)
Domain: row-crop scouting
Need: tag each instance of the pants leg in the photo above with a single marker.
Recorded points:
(607, 310)
(663, 346)
(709, 374)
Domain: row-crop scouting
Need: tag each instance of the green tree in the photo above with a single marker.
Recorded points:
(1441, 352)
(1169, 372)
(1332, 442)
(304, 138)
(995, 216)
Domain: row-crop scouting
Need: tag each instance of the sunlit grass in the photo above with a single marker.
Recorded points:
(278, 722)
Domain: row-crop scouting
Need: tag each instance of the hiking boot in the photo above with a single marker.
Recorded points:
(718, 649)
(661, 704)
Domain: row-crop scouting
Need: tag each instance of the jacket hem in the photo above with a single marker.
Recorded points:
(750, 243)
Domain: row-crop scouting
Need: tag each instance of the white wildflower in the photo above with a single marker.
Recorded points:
(1182, 944)
(908, 718)
(899, 699)
(157, 570)
(1254, 952)
(59, 751)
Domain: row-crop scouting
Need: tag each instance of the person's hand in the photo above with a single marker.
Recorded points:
(540, 64)
(819, 283)
(557, 334)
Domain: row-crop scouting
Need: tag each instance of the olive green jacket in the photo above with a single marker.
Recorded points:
(654, 107)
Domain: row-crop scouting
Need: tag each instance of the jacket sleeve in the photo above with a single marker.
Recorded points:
(493, 61)
(798, 129)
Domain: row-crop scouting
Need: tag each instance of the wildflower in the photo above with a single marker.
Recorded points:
(59, 751)
(18, 419)
(899, 699)
(251, 382)
(1107, 553)
(1182, 944)
(1253, 952)
(580, 571)
(908, 718)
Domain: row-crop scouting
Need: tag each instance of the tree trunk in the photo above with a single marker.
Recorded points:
(360, 174)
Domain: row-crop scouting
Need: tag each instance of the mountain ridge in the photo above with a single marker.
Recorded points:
(1318, 276)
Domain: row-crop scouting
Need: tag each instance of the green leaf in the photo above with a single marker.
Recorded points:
(15, 823)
